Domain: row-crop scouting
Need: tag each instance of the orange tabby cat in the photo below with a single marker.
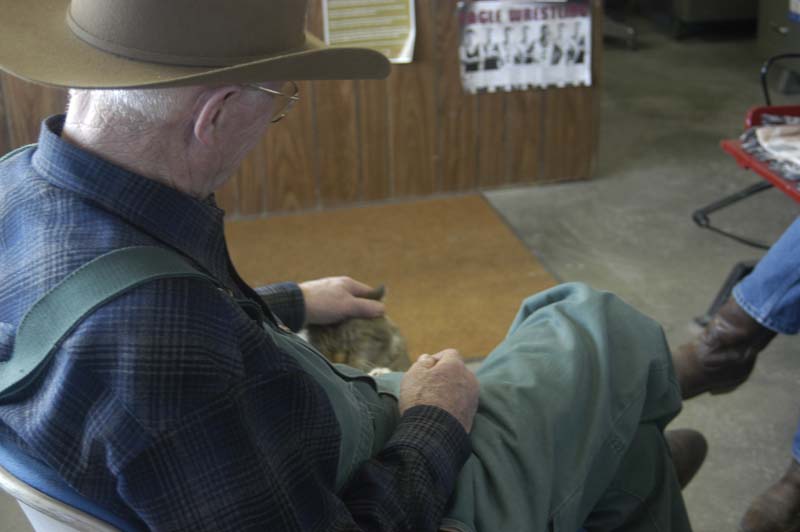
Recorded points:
(366, 344)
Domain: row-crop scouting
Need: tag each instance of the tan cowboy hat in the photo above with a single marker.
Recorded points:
(164, 43)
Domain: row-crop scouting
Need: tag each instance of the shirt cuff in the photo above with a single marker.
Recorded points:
(439, 437)
(286, 301)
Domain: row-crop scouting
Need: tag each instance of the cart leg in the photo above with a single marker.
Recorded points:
(739, 272)
(701, 216)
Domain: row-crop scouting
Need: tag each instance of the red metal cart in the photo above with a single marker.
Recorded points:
(769, 180)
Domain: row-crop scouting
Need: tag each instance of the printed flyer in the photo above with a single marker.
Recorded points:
(387, 26)
(507, 46)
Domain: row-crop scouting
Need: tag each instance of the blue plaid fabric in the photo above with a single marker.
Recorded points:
(170, 406)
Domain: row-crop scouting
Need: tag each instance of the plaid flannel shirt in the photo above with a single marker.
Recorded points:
(169, 406)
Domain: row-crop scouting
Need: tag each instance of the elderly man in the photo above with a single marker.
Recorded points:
(182, 401)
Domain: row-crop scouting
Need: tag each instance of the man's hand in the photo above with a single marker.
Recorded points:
(336, 299)
(444, 381)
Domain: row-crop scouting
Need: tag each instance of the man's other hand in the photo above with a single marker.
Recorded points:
(441, 380)
(336, 299)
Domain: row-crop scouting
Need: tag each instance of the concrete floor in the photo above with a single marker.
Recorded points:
(629, 231)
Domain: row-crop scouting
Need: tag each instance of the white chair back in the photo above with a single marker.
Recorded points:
(45, 513)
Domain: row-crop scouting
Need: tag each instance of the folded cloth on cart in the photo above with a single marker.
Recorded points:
(782, 142)
(776, 143)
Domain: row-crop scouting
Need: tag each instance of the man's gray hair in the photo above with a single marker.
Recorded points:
(136, 108)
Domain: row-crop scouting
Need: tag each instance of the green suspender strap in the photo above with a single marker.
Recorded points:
(53, 317)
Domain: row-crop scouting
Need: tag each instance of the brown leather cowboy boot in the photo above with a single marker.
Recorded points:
(778, 508)
(688, 449)
(723, 355)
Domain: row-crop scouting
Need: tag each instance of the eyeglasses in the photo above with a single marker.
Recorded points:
(284, 98)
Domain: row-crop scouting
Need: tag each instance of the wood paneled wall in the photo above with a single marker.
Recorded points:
(414, 134)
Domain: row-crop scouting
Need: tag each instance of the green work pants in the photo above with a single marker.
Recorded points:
(569, 429)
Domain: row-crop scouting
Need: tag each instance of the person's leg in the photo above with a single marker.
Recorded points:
(723, 355)
(562, 398)
(796, 445)
(765, 303)
(645, 494)
(778, 508)
(771, 293)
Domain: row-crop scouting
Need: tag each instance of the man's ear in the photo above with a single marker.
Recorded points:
(211, 112)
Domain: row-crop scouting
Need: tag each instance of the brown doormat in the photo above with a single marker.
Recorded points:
(455, 274)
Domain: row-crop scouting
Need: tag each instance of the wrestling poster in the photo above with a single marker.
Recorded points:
(512, 45)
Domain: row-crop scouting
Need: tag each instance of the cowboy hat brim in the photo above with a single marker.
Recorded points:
(37, 45)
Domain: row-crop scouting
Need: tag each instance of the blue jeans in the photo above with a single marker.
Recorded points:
(771, 294)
